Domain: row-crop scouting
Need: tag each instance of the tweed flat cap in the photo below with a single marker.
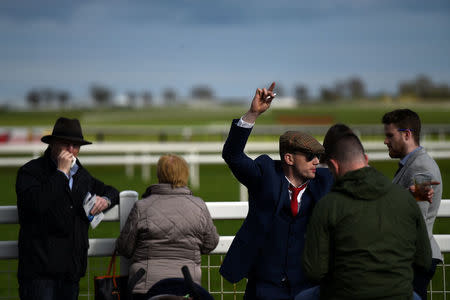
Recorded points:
(292, 141)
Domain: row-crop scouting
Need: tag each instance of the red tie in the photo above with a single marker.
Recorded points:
(294, 202)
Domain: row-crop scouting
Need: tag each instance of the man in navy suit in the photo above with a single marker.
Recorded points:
(268, 247)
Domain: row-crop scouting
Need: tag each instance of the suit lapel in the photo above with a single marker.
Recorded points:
(399, 174)
(308, 200)
(313, 189)
(284, 194)
(410, 160)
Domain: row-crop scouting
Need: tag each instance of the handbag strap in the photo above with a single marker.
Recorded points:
(112, 263)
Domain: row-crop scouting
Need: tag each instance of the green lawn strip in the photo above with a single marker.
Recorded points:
(350, 112)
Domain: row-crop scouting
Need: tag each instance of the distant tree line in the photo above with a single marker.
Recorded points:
(47, 97)
(349, 89)
(423, 87)
(352, 88)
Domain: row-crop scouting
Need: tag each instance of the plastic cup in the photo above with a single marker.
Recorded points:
(422, 183)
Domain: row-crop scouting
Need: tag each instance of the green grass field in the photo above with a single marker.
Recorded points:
(361, 112)
(216, 181)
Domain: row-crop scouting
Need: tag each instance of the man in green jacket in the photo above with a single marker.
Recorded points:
(365, 235)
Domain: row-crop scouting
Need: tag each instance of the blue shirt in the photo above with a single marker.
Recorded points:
(405, 159)
(72, 172)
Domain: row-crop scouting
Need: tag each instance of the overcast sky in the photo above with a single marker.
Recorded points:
(233, 46)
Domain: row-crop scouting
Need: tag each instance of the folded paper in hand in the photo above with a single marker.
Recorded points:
(88, 203)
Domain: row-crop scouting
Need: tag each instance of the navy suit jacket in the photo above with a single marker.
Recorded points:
(268, 193)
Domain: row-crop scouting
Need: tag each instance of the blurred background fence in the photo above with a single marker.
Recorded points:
(146, 154)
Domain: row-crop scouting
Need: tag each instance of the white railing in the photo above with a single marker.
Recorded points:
(218, 211)
(35, 149)
(104, 247)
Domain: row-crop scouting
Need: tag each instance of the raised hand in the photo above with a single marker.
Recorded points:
(260, 103)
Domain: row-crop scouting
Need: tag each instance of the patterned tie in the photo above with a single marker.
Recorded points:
(295, 191)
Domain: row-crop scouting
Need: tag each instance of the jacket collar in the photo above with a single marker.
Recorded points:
(413, 155)
(284, 184)
(49, 159)
(166, 189)
(405, 159)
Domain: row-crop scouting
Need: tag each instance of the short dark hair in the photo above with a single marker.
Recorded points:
(346, 149)
(404, 119)
(333, 134)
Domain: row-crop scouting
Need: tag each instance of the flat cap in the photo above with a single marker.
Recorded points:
(292, 141)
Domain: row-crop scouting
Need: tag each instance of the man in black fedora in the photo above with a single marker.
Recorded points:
(53, 237)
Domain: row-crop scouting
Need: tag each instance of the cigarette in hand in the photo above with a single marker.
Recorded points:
(268, 97)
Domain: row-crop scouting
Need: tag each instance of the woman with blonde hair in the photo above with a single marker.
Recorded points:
(168, 229)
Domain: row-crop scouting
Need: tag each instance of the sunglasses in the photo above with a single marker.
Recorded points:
(310, 155)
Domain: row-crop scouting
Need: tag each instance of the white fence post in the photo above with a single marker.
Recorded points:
(145, 170)
(194, 169)
(127, 199)
(129, 165)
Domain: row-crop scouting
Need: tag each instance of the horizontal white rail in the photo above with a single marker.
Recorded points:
(183, 147)
(232, 210)
(102, 247)
(147, 153)
(218, 210)
(124, 160)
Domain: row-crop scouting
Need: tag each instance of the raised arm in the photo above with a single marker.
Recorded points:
(243, 167)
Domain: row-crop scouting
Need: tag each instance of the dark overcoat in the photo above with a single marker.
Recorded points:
(53, 236)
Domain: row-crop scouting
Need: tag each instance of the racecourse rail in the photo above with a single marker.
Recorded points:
(218, 210)
(147, 154)
(232, 210)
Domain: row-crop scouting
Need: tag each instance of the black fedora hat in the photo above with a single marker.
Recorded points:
(66, 130)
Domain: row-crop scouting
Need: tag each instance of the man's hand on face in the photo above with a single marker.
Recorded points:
(64, 160)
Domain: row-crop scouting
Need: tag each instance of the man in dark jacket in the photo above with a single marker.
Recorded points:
(53, 237)
(365, 235)
(267, 248)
